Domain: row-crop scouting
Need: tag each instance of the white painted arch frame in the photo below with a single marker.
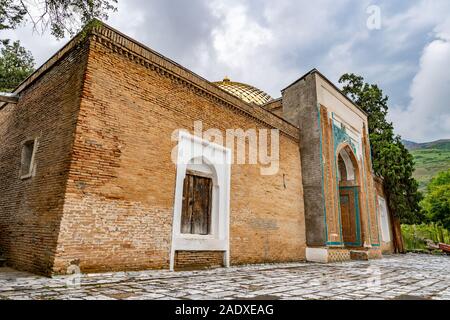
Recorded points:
(215, 162)
(349, 167)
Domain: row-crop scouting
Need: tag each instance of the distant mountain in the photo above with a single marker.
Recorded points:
(443, 144)
(410, 145)
(430, 158)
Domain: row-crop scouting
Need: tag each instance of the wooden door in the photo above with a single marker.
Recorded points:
(348, 218)
(196, 209)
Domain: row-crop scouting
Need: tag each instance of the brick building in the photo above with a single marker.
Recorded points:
(87, 175)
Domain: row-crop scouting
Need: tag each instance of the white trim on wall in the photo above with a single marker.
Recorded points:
(384, 220)
(206, 158)
(349, 167)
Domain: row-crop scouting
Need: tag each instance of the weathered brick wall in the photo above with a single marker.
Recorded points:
(30, 209)
(198, 259)
(276, 107)
(300, 107)
(379, 186)
(119, 203)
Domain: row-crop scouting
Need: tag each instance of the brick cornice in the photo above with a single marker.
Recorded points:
(139, 53)
(135, 51)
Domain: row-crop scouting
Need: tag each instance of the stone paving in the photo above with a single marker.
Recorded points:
(393, 277)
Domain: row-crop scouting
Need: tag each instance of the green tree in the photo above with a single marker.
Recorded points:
(437, 200)
(16, 64)
(391, 160)
(60, 16)
(11, 14)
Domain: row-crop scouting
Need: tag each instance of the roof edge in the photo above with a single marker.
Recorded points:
(98, 31)
(315, 71)
(194, 80)
(81, 36)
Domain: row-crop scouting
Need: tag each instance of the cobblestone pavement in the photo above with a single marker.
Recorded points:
(394, 277)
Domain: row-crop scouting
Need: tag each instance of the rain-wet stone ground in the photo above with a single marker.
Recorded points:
(400, 277)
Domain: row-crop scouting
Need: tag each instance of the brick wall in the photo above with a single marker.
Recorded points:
(276, 107)
(119, 202)
(300, 107)
(103, 192)
(30, 209)
(185, 260)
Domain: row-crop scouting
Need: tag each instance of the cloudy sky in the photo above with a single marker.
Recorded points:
(270, 43)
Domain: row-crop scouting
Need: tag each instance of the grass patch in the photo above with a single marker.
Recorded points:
(415, 236)
(429, 162)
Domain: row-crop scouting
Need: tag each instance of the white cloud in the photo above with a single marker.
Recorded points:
(237, 39)
(427, 117)
(43, 46)
(269, 44)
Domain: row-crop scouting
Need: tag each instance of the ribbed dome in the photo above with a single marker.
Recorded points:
(244, 92)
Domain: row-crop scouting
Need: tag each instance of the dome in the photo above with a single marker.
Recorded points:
(244, 92)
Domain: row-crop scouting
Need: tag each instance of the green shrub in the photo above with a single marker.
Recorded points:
(415, 236)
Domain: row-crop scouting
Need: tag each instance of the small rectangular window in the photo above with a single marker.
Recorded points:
(196, 210)
(28, 150)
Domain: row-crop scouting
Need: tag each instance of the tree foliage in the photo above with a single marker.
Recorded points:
(11, 14)
(391, 160)
(437, 200)
(60, 16)
(16, 64)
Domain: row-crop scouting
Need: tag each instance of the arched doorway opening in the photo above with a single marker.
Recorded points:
(199, 210)
(349, 187)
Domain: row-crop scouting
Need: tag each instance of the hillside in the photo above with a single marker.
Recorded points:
(439, 145)
(430, 158)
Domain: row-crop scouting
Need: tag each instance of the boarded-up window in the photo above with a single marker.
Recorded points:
(196, 210)
(26, 167)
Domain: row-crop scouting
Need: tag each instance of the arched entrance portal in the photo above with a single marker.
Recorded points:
(349, 197)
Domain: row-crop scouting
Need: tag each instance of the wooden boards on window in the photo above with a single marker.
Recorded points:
(196, 209)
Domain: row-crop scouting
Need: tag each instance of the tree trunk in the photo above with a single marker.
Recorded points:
(397, 235)
(396, 227)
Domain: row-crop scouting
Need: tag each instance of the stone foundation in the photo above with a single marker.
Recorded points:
(189, 260)
(338, 255)
(375, 253)
(328, 255)
(359, 255)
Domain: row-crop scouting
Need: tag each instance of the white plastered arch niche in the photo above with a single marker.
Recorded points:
(349, 168)
(195, 155)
